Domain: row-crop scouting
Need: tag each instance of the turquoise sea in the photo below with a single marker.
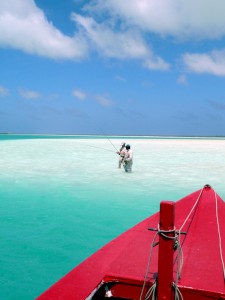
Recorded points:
(63, 197)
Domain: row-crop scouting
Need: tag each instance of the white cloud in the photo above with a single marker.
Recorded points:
(110, 43)
(182, 80)
(178, 18)
(29, 94)
(3, 91)
(120, 78)
(104, 101)
(120, 32)
(24, 26)
(79, 94)
(211, 63)
(156, 63)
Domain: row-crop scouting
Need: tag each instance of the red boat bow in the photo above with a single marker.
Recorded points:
(179, 258)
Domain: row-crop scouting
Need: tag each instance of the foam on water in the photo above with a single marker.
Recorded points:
(62, 199)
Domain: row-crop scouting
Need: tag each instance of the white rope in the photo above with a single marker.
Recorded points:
(180, 254)
(151, 292)
(219, 237)
(180, 261)
(148, 265)
(162, 232)
(180, 251)
(178, 295)
(196, 202)
(180, 257)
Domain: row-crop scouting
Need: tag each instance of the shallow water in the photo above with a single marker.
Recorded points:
(62, 199)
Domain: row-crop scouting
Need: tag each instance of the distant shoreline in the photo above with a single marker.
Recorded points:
(112, 136)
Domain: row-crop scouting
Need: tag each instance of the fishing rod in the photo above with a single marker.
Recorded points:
(111, 143)
(108, 139)
(100, 129)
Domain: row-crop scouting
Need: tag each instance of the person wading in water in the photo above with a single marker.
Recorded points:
(128, 159)
(121, 154)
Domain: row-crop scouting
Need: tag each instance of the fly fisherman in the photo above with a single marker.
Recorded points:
(121, 154)
(128, 159)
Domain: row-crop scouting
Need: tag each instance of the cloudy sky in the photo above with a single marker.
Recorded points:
(139, 67)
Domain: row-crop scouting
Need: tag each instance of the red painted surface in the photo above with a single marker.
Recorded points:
(166, 252)
(124, 260)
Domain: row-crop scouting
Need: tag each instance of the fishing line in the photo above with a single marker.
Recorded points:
(108, 139)
(101, 148)
(103, 133)
(111, 143)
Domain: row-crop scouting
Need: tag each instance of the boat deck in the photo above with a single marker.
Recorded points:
(128, 265)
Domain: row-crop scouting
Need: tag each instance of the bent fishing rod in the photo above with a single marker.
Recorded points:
(100, 129)
(108, 139)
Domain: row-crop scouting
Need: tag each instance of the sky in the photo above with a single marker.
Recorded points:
(112, 67)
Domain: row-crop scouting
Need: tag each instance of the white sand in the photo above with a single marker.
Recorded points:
(187, 164)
